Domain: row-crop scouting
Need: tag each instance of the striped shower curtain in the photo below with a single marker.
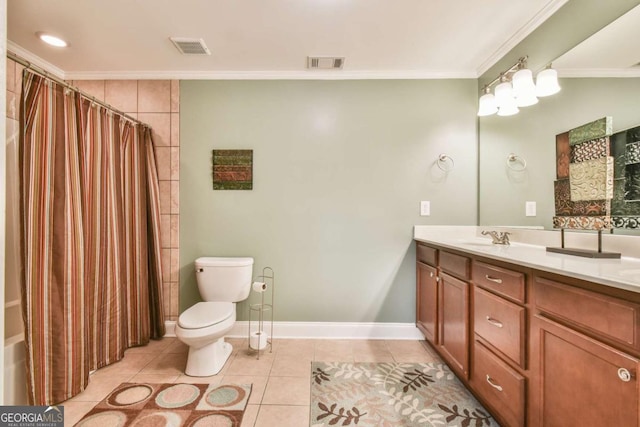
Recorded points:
(90, 228)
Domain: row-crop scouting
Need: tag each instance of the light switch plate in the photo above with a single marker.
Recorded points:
(530, 208)
(425, 208)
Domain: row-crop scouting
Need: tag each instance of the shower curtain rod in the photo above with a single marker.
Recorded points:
(44, 73)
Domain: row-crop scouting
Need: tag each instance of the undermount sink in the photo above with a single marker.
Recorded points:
(475, 242)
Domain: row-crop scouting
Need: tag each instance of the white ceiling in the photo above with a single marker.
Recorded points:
(613, 51)
(272, 38)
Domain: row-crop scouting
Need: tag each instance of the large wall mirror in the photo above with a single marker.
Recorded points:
(599, 77)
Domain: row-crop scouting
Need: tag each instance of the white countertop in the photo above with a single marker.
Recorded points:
(623, 273)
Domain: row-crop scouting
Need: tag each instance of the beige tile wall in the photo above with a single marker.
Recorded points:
(155, 102)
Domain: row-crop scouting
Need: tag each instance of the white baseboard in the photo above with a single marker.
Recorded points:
(320, 330)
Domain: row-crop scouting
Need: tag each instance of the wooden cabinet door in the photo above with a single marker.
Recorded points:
(583, 382)
(454, 323)
(427, 301)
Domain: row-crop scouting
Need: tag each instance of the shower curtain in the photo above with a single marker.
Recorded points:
(89, 205)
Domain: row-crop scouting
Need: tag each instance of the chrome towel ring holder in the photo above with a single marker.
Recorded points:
(445, 163)
(514, 160)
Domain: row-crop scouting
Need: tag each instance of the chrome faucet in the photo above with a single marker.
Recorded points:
(498, 237)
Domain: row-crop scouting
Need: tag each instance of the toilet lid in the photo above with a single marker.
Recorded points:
(205, 314)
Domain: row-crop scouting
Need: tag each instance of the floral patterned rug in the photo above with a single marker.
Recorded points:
(152, 405)
(392, 395)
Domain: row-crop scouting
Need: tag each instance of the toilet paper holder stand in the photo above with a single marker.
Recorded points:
(262, 338)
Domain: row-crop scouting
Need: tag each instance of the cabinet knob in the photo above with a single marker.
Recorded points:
(624, 375)
(431, 274)
(493, 384)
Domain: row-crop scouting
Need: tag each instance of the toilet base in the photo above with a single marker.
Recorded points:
(208, 360)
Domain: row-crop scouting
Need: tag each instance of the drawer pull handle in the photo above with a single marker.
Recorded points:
(492, 279)
(624, 375)
(494, 322)
(492, 384)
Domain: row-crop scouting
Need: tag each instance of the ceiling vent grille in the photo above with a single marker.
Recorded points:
(325, 62)
(188, 46)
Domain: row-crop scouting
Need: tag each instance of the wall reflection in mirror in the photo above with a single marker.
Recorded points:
(599, 77)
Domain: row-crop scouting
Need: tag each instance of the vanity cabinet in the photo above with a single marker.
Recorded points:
(453, 314)
(454, 324)
(538, 349)
(587, 363)
(427, 292)
(442, 304)
(427, 301)
(498, 373)
(582, 381)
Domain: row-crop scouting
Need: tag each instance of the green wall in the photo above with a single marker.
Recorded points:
(531, 135)
(340, 168)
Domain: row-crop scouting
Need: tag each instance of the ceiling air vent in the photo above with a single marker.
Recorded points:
(325, 62)
(188, 46)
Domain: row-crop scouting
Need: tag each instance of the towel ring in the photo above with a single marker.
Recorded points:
(513, 159)
(445, 163)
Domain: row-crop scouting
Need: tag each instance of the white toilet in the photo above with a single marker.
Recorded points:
(222, 282)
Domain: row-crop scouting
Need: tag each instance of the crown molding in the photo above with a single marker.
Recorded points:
(270, 75)
(598, 72)
(550, 8)
(35, 60)
(237, 75)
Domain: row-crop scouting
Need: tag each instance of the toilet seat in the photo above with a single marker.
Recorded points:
(205, 314)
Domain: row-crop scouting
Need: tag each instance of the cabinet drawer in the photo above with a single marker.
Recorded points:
(455, 265)
(609, 317)
(501, 323)
(501, 387)
(507, 283)
(427, 255)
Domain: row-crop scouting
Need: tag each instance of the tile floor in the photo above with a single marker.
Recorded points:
(281, 379)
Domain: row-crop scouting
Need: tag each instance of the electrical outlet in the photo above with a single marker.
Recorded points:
(425, 208)
(530, 208)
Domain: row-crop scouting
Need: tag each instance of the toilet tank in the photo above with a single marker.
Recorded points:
(224, 279)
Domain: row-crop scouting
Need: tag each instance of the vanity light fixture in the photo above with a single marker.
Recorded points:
(524, 89)
(515, 88)
(547, 82)
(488, 104)
(505, 99)
(51, 40)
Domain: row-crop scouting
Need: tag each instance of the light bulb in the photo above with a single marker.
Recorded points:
(523, 82)
(488, 105)
(508, 109)
(51, 40)
(504, 93)
(547, 82)
(526, 100)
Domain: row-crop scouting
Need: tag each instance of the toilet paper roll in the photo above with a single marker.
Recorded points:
(258, 340)
(259, 286)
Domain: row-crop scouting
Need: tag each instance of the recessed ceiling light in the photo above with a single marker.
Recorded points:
(51, 40)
